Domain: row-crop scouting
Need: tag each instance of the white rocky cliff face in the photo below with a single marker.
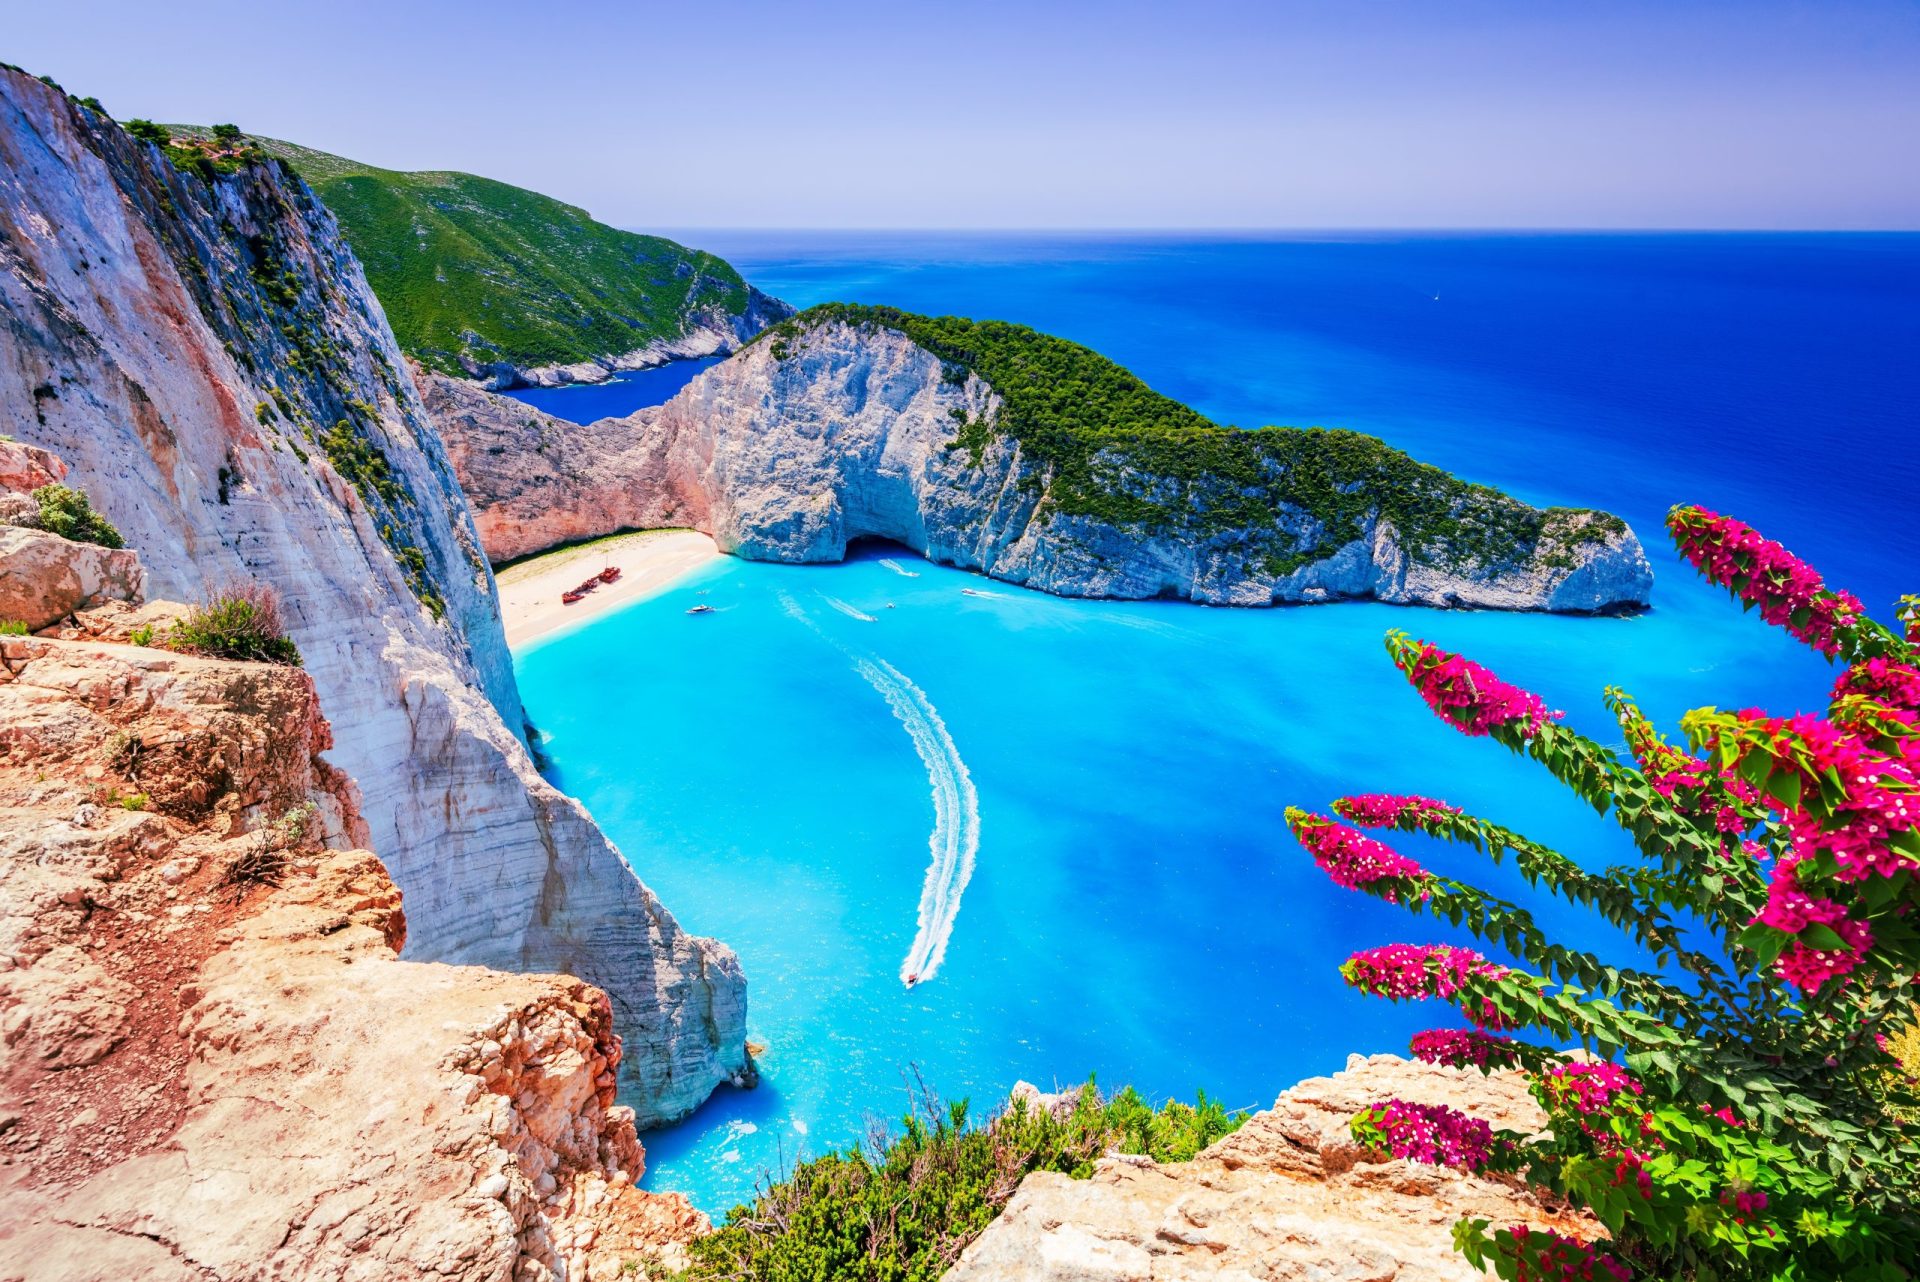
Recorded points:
(208, 359)
(791, 450)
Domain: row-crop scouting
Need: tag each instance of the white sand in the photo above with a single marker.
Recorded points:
(649, 561)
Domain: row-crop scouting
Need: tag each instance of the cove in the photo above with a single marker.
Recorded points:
(1135, 908)
(618, 396)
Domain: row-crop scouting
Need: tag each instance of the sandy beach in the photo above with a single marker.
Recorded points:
(649, 560)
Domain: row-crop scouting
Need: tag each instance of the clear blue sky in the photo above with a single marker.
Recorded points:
(1155, 113)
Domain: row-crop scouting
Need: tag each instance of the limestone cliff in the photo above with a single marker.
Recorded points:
(204, 352)
(215, 1065)
(537, 481)
(838, 426)
(1287, 1196)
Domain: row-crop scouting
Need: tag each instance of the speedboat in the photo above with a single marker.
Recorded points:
(702, 608)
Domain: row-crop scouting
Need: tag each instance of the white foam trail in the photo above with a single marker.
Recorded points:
(956, 815)
(848, 610)
(956, 806)
(898, 568)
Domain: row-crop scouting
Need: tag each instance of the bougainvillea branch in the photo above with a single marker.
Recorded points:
(1749, 1126)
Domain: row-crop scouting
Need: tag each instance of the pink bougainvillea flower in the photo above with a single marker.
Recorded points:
(1788, 592)
(1465, 695)
(1809, 969)
(1588, 1087)
(1887, 681)
(1429, 1133)
(1351, 858)
(1385, 810)
(1459, 1047)
(1541, 1255)
(1418, 971)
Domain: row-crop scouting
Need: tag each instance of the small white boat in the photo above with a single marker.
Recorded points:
(702, 608)
(973, 592)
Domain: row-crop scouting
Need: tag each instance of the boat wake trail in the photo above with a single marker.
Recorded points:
(956, 816)
(898, 568)
(956, 806)
(848, 610)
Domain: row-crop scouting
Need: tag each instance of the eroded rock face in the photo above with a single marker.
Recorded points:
(849, 435)
(25, 468)
(1287, 1196)
(537, 481)
(208, 360)
(215, 1065)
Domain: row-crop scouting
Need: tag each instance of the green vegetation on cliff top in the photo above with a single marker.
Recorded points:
(1118, 452)
(467, 267)
(902, 1209)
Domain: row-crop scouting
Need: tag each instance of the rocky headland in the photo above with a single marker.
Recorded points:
(1032, 460)
(202, 351)
(708, 331)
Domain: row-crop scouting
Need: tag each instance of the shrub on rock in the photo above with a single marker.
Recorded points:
(67, 512)
(241, 621)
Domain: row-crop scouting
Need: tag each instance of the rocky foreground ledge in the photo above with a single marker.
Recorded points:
(1032, 460)
(216, 1066)
(1287, 1196)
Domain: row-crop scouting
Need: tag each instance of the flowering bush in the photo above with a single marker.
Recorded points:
(1457, 1048)
(1430, 1133)
(1739, 1115)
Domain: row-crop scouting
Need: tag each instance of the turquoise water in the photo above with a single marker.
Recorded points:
(776, 769)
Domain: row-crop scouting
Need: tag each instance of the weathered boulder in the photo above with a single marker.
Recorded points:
(44, 578)
(1287, 1196)
(25, 468)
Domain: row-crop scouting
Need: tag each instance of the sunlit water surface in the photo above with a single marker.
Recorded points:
(785, 772)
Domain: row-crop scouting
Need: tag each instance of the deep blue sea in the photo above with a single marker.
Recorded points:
(787, 770)
(585, 402)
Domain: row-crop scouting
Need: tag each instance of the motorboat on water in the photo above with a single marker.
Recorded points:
(702, 608)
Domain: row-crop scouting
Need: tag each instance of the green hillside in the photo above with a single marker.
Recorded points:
(469, 267)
